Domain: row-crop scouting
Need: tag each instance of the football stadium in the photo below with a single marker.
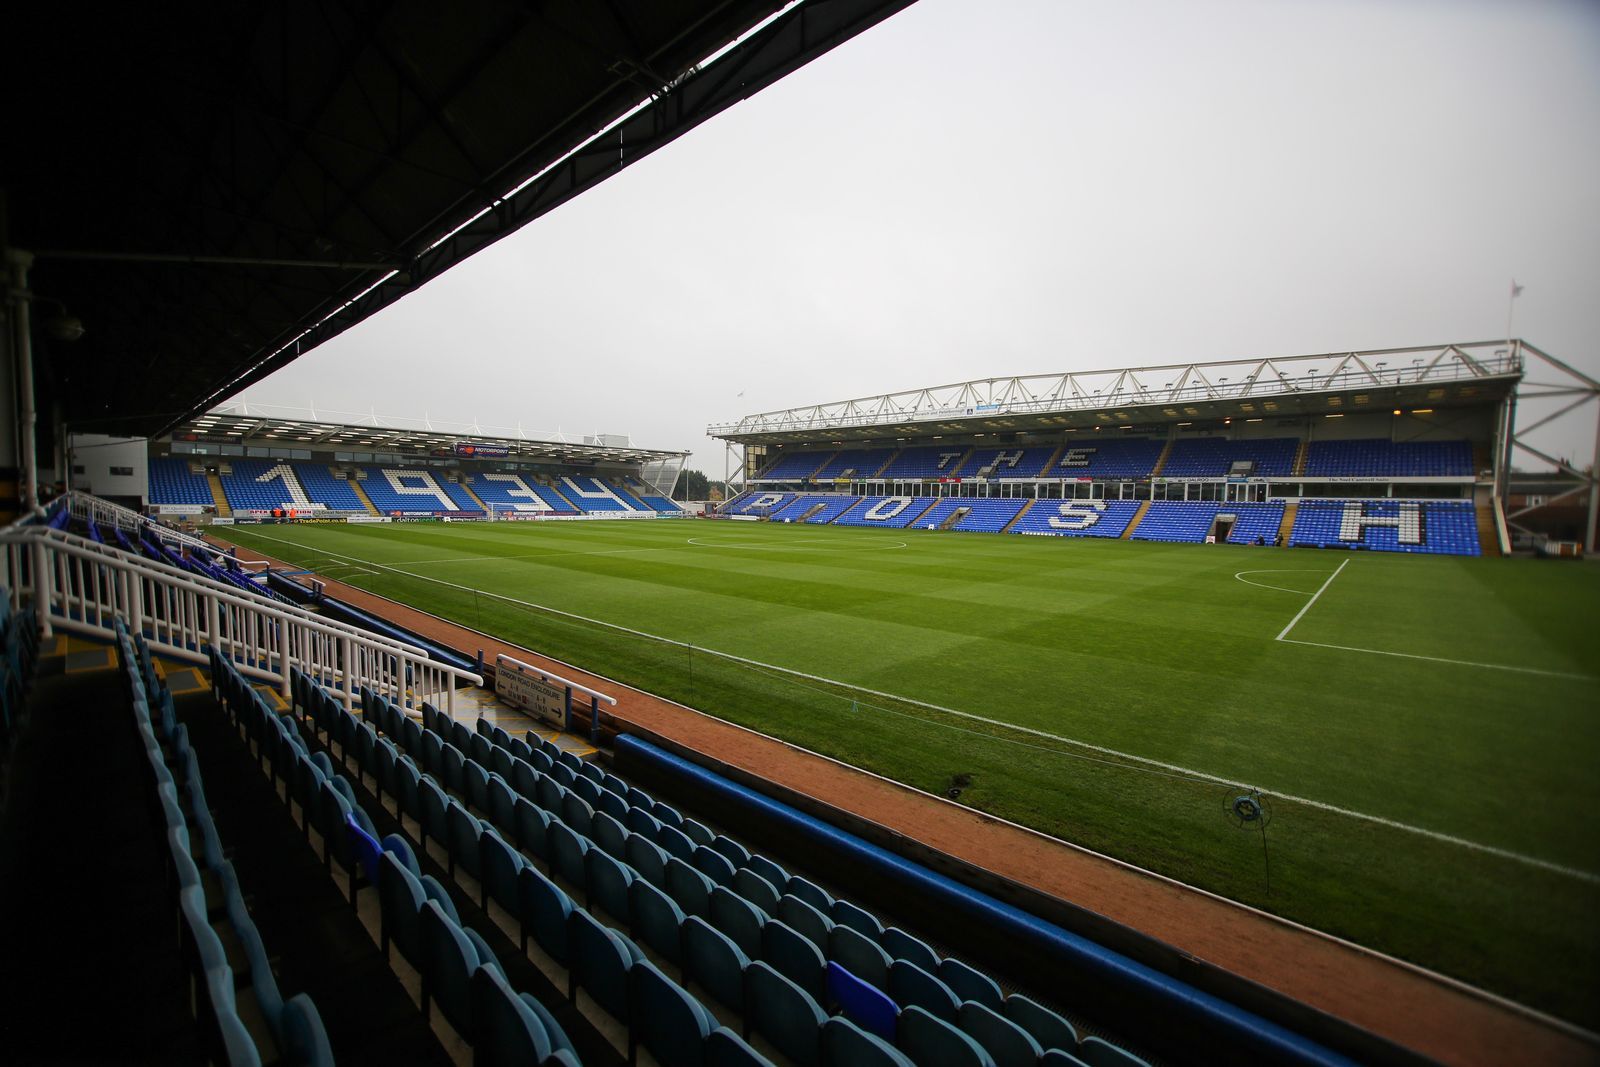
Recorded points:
(1230, 711)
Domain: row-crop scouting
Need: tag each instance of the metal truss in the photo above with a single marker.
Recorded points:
(1582, 391)
(238, 422)
(1166, 388)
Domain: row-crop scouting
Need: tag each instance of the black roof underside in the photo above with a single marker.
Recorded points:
(336, 146)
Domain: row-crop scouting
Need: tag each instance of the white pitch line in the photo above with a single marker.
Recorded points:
(1342, 565)
(1240, 576)
(1334, 809)
(1441, 659)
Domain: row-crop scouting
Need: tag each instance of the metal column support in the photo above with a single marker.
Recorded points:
(18, 262)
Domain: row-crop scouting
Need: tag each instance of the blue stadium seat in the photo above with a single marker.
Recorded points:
(785, 1014)
(844, 1044)
(666, 1019)
(713, 962)
(739, 919)
(1009, 1044)
(509, 1034)
(1045, 1026)
(935, 1042)
(859, 955)
(656, 920)
(863, 1003)
(599, 964)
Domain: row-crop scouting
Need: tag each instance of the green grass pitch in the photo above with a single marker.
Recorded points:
(1426, 732)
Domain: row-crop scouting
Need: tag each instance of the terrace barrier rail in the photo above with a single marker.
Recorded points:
(80, 586)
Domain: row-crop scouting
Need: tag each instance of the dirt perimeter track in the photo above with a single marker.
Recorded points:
(1426, 1013)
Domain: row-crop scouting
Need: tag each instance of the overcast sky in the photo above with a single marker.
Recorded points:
(972, 190)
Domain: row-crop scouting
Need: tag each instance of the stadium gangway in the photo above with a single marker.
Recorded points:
(570, 686)
(80, 586)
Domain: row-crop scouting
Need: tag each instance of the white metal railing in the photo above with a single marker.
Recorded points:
(105, 513)
(79, 586)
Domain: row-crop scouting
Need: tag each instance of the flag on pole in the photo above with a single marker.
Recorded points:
(1516, 290)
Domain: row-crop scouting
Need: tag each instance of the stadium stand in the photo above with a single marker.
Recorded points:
(263, 484)
(172, 482)
(1107, 457)
(800, 503)
(591, 494)
(328, 489)
(855, 463)
(831, 509)
(896, 512)
(758, 503)
(651, 500)
(977, 514)
(930, 462)
(793, 466)
(1216, 457)
(400, 489)
(622, 493)
(1447, 527)
(1007, 462)
(514, 492)
(1192, 520)
(1380, 458)
(1078, 518)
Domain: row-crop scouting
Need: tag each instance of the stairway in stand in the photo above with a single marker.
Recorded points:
(1290, 510)
(361, 494)
(474, 497)
(1025, 508)
(1144, 506)
(219, 499)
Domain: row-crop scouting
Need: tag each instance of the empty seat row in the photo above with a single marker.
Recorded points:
(705, 903)
(418, 914)
(242, 1015)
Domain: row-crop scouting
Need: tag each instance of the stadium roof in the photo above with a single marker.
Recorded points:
(1442, 376)
(240, 427)
(215, 190)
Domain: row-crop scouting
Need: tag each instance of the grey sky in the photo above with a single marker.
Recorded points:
(971, 190)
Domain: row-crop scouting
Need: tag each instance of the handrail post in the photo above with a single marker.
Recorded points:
(286, 685)
(594, 720)
(213, 621)
(566, 716)
(135, 602)
(348, 650)
(449, 698)
(41, 588)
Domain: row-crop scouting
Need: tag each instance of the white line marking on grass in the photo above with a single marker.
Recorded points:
(1401, 655)
(698, 543)
(1342, 565)
(526, 555)
(1435, 835)
(1441, 659)
(1280, 588)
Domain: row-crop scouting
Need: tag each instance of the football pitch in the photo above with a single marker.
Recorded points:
(1425, 730)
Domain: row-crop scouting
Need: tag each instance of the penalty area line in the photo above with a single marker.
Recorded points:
(1442, 659)
(1333, 809)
